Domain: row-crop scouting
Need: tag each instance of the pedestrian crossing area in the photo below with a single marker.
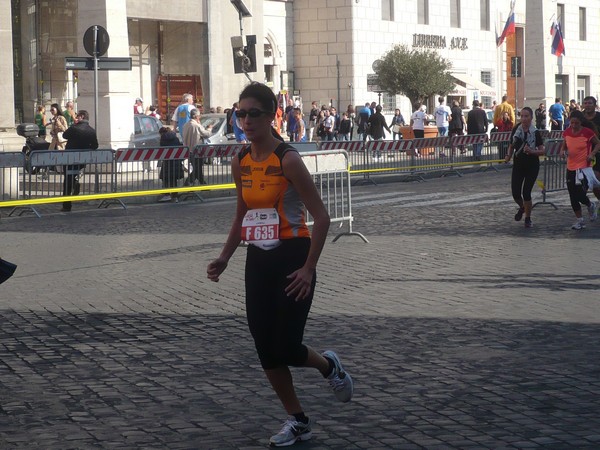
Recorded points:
(413, 199)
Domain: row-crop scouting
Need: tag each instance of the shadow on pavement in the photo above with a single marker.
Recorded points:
(171, 381)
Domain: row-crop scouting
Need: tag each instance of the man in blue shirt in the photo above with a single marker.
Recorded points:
(557, 113)
(181, 115)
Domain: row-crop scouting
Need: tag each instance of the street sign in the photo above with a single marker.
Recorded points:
(373, 83)
(101, 41)
(515, 67)
(87, 63)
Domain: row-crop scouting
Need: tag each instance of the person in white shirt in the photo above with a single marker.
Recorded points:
(442, 117)
(417, 122)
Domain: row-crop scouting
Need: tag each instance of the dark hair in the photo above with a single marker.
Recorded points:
(83, 114)
(164, 130)
(577, 114)
(590, 97)
(57, 106)
(169, 139)
(527, 108)
(378, 108)
(261, 93)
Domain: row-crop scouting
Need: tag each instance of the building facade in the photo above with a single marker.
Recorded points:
(319, 50)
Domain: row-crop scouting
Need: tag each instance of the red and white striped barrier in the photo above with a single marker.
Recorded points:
(217, 151)
(469, 139)
(349, 146)
(433, 142)
(556, 134)
(151, 154)
(553, 147)
(500, 136)
(389, 146)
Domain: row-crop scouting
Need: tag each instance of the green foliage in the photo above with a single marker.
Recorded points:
(417, 74)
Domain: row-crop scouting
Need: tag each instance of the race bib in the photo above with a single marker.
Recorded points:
(260, 227)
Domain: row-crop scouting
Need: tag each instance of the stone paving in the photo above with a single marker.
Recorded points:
(461, 328)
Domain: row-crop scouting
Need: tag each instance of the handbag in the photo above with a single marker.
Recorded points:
(396, 129)
(6, 270)
(60, 138)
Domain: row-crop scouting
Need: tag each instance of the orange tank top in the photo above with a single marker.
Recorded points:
(264, 185)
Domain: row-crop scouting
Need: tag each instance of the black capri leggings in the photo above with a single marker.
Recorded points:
(577, 192)
(523, 178)
(277, 321)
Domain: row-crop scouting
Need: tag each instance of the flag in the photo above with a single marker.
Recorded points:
(558, 44)
(509, 26)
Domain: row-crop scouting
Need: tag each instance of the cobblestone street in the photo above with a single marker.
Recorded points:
(461, 328)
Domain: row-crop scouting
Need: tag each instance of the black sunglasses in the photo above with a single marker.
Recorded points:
(252, 112)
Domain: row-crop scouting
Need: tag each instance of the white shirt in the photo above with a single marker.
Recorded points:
(442, 114)
(418, 119)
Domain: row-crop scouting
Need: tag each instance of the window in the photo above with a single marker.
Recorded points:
(423, 12)
(388, 103)
(582, 25)
(387, 10)
(562, 87)
(455, 13)
(486, 77)
(484, 14)
(560, 17)
(583, 87)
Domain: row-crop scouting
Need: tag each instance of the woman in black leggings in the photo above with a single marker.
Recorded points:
(527, 145)
(273, 189)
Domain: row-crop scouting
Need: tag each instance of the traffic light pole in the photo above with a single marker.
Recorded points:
(95, 56)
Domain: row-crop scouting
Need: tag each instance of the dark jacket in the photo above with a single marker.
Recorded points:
(171, 169)
(456, 119)
(477, 122)
(80, 136)
(376, 126)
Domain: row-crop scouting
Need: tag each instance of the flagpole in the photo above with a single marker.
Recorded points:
(516, 67)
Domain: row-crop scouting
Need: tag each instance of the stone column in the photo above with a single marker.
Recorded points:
(7, 94)
(538, 69)
(115, 105)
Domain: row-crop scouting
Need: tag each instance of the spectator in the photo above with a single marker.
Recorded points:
(557, 112)
(152, 112)
(329, 125)
(397, 122)
(345, 128)
(194, 134)
(477, 123)
(171, 170)
(312, 120)
(417, 122)
(376, 125)
(457, 124)
(504, 124)
(69, 113)
(79, 136)
(442, 117)
(40, 120)
(352, 117)
(299, 131)
(138, 106)
(502, 108)
(540, 117)
(181, 115)
(58, 125)
(363, 122)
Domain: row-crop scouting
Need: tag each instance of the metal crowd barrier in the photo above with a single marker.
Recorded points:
(216, 161)
(330, 171)
(554, 171)
(11, 163)
(138, 169)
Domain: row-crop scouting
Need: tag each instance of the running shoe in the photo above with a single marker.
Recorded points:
(579, 225)
(165, 198)
(592, 211)
(292, 431)
(528, 222)
(339, 380)
(519, 214)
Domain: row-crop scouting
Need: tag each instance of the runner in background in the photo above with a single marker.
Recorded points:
(527, 145)
(579, 139)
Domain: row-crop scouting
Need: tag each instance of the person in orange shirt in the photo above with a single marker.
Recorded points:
(583, 145)
(278, 120)
(273, 188)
